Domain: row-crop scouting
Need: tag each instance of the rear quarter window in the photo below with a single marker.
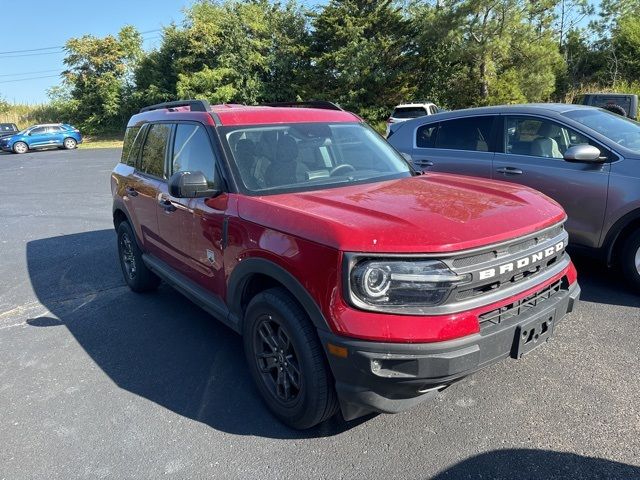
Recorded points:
(131, 146)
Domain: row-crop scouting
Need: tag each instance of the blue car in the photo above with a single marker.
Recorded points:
(59, 135)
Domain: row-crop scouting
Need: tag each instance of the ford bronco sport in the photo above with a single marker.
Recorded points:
(357, 283)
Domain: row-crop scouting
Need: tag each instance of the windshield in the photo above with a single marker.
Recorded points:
(7, 127)
(297, 157)
(621, 130)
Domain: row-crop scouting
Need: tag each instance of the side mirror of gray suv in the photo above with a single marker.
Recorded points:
(190, 185)
(583, 153)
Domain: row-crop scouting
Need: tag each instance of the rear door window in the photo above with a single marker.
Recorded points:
(426, 136)
(154, 150)
(472, 133)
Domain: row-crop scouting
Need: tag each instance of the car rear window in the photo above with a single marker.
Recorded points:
(408, 112)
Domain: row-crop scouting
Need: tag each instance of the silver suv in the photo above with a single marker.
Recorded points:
(585, 158)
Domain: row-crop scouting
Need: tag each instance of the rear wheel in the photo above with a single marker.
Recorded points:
(69, 143)
(20, 147)
(286, 360)
(631, 260)
(138, 277)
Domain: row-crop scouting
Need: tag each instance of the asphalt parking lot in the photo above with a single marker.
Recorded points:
(99, 382)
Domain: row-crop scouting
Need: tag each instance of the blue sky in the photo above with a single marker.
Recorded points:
(51, 24)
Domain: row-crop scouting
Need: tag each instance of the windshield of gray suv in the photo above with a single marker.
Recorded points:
(623, 131)
(307, 156)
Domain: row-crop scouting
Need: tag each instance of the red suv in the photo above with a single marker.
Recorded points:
(357, 283)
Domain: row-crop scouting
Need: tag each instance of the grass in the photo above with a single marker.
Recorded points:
(102, 141)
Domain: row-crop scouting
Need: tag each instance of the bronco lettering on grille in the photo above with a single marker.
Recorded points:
(522, 262)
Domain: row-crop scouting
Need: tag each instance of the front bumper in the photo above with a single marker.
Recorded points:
(393, 377)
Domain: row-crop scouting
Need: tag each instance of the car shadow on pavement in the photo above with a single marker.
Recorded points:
(523, 464)
(159, 346)
(602, 285)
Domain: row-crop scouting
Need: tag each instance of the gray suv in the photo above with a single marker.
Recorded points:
(585, 158)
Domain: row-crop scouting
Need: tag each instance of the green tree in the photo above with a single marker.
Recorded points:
(362, 56)
(98, 70)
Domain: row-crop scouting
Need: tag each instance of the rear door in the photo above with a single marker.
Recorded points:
(462, 145)
(56, 135)
(146, 181)
(531, 154)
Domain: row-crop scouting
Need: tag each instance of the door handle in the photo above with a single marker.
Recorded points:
(510, 171)
(131, 192)
(167, 205)
(425, 163)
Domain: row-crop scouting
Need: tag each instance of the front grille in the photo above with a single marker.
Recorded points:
(499, 315)
(513, 248)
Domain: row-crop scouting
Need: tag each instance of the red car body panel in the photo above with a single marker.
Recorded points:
(425, 214)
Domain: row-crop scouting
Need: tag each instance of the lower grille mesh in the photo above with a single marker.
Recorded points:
(499, 315)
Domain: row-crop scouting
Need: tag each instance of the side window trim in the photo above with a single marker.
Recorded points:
(611, 155)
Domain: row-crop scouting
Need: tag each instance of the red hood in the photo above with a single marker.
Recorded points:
(428, 213)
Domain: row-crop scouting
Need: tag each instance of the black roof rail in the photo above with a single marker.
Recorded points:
(196, 105)
(309, 104)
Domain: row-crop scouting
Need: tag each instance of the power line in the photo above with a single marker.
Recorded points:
(28, 73)
(30, 54)
(30, 78)
(57, 47)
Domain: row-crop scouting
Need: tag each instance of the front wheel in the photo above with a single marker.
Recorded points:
(286, 360)
(69, 143)
(631, 260)
(20, 147)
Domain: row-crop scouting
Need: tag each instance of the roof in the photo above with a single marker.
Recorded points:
(416, 104)
(557, 108)
(231, 114)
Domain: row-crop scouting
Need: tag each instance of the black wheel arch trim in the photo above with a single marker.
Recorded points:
(119, 207)
(614, 232)
(243, 272)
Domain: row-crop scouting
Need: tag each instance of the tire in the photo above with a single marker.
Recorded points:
(69, 143)
(615, 109)
(630, 260)
(136, 274)
(286, 360)
(20, 147)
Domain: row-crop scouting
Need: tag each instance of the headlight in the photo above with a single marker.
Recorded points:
(398, 283)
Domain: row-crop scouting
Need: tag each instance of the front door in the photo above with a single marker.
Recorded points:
(533, 156)
(191, 229)
(38, 137)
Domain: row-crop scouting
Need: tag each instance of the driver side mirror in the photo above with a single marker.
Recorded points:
(583, 153)
(191, 185)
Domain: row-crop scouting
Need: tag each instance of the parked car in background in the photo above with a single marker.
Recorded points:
(621, 103)
(356, 283)
(408, 111)
(7, 129)
(586, 158)
(59, 135)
